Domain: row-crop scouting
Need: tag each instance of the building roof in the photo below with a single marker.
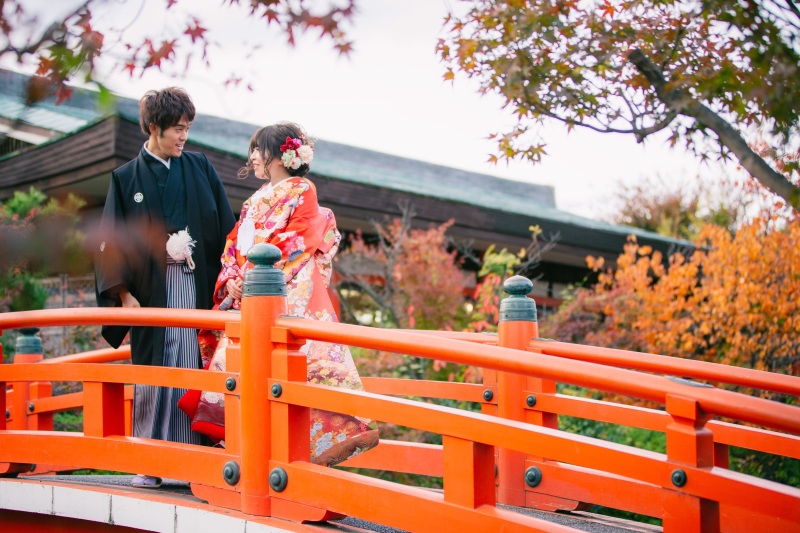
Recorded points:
(518, 200)
(60, 120)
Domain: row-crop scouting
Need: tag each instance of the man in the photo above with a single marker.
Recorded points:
(150, 201)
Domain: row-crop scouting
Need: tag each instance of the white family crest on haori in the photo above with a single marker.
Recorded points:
(179, 247)
(138, 197)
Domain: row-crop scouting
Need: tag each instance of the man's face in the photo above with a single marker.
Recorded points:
(169, 142)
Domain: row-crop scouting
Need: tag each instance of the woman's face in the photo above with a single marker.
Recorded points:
(259, 169)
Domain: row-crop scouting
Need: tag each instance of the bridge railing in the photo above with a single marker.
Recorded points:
(264, 469)
(564, 487)
(725, 434)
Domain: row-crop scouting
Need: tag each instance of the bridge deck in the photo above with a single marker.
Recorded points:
(173, 508)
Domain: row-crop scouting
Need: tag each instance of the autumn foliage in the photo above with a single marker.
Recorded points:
(409, 277)
(72, 45)
(734, 300)
(709, 73)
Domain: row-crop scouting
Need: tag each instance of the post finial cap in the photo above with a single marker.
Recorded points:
(264, 279)
(264, 254)
(517, 307)
(517, 286)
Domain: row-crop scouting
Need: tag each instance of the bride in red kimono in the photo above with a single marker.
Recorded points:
(285, 212)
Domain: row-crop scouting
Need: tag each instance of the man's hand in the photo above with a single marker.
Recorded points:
(128, 300)
(234, 287)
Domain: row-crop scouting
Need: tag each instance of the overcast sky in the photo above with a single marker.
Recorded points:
(388, 95)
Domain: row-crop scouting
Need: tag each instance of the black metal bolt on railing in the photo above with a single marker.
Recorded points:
(278, 479)
(231, 472)
(679, 477)
(533, 476)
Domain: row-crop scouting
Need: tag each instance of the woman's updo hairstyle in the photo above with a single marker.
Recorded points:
(268, 141)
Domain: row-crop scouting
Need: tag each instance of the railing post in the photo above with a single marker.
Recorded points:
(290, 423)
(721, 455)
(517, 326)
(4, 412)
(233, 404)
(689, 443)
(103, 409)
(263, 300)
(468, 472)
(37, 421)
(28, 349)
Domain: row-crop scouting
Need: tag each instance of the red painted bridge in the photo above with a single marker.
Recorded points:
(502, 468)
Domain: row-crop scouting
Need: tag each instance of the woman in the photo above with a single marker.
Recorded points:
(285, 212)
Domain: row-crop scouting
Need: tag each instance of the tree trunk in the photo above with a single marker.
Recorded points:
(679, 102)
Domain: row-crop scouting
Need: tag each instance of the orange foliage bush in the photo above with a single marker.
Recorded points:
(734, 300)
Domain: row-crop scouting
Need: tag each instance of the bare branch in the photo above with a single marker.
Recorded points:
(47, 35)
(644, 132)
(679, 102)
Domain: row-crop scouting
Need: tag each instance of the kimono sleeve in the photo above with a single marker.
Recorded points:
(230, 265)
(111, 270)
(303, 234)
(110, 267)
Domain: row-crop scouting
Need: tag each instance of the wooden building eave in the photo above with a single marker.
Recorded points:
(81, 162)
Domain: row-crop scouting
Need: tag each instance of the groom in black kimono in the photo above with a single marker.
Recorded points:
(150, 200)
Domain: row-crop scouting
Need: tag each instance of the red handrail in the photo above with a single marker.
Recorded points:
(690, 368)
(648, 362)
(469, 438)
(104, 355)
(150, 316)
(592, 375)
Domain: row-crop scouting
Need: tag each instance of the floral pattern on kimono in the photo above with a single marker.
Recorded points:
(289, 217)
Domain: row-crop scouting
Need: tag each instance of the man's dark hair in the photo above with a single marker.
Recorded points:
(164, 108)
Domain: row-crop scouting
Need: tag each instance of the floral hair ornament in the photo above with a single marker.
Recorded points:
(296, 154)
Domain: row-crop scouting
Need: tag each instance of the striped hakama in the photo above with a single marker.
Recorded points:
(155, 409)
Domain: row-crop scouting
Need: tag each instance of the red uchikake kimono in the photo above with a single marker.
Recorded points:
(289, 217)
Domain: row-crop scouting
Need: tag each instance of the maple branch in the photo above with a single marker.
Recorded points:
(535, 252)
(32, 47)
(641, 133)
(465, 249)
(680, 102)
(47, 35)
(794, 9)
(572, 122)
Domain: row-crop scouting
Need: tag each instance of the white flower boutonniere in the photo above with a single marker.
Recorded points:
(179, 247)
